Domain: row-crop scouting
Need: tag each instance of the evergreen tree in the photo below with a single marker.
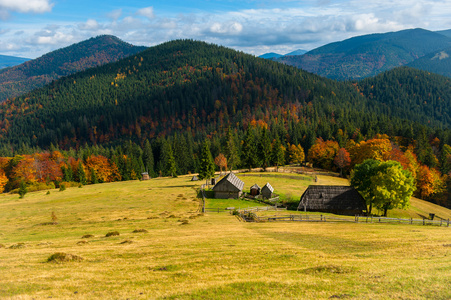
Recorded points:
(81, 175)
(265, 149)
(168, 167)
(232, 154)
(22, 189)
(249, 149)
(207, 165)
(278, 154)
(147, 158)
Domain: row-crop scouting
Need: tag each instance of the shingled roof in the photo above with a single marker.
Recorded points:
(335, 199)
(231, 182)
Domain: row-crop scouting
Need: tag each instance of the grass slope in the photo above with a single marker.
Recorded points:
(184, 255)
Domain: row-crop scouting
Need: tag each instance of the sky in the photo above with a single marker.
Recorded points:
(31, 28)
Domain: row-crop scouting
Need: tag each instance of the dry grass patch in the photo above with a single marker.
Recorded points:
(140, 231)
(87, 236)
(112, 233)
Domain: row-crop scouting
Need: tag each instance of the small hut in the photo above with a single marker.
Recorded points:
(145, 176)
(194, 178)
(344, 200)
(255, 190)
(267, 191)
(229, 187)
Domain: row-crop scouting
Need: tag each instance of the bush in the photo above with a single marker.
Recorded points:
(140, 230)
(38, 186)
(87, 236)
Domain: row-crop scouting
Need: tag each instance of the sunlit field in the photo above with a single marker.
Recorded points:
(166, 248)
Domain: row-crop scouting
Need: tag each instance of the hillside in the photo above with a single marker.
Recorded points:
(51, 66)
(410, 92)
(369, 55)
(11, 61)
(172, 251)
(438, 62)
(195, 88)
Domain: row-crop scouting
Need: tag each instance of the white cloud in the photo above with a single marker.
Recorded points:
(91, 24)
(146, 12)
(26, 6)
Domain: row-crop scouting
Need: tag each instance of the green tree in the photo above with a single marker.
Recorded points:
(249, 149)
(81, 175)
(265, 149)
(207, 165)
(147, 157)
(22, 189)
(278, 153)
(232, 154)
(384, 185)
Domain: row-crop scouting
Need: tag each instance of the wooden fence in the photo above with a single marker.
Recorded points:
(253, 217)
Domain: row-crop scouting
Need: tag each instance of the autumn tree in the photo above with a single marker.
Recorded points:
(221, 162)
(297, 155)
(342, 160)
(322, 153)
(376, 148)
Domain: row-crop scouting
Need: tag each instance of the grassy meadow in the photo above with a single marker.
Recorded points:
(167, 249)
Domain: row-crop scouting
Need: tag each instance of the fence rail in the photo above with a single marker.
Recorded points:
(253, 217)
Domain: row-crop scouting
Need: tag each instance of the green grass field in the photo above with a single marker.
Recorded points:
(186, 255)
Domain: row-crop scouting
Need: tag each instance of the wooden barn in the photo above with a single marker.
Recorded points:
(229, 187)
(267, 191)
(344, 200)
(255, 190)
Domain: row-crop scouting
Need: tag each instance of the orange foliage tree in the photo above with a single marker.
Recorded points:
(3, 180)
(25, 170)
(342, 160)
(221, 162)
(105, 170)
(377, 149)
(322, 153)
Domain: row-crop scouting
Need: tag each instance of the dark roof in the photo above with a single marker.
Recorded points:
(332, 198)
(231, 181)
(268, 186)
(255, 186)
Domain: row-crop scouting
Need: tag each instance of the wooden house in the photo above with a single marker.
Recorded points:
(267, 191)
(255, 190)
(344, 200)
(229, 187)
(145, 176)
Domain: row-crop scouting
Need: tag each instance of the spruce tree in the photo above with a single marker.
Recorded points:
(249, 149)
(232, 154)
(81, 175)
(147, 158)
(207, 165)
(265, 149)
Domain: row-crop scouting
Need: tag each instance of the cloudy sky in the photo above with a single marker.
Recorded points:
(31, 28)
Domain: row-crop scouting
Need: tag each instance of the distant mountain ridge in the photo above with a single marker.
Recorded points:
(368, 55)
(62, 62)
(275, 56)
(7, 61)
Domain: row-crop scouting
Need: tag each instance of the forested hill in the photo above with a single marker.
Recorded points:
(77, 57)
(196, 89)
(414, 94)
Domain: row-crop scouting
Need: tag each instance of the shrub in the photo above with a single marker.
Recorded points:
(61, 257)
(87, 236)
(140, 230)
(48, 193)
(62, 187)
(17, 246)
(112, 233)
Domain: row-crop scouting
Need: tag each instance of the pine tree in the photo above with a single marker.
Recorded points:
(22, 189)
(232, 154)
(81, 175)
(148, 159)
(278, 155)
(207, 165)
(265, 149)
(249, 149)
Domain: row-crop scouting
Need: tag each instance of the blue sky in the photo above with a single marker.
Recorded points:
(31, 28)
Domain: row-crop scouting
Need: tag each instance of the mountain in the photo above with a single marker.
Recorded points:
(438, 62)
(369, 55)
(271, 55)
(445, 32)
(11, 61)
(296, 52)
(77, 57)
(197, 89)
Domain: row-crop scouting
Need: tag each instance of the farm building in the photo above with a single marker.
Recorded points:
(145, 176)
(344, 200)
(267, 191)
(255, 190)
(229, 187)
(194, 178)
